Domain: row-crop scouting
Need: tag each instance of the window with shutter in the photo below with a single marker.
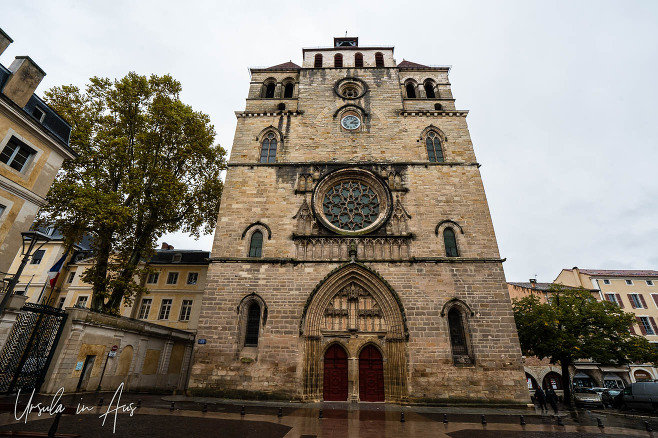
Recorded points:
(619, 301)
(639, 323)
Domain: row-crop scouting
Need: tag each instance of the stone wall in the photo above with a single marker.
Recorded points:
(149, 357)
(403, 261)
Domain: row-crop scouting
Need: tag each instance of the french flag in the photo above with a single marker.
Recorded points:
(53, 274)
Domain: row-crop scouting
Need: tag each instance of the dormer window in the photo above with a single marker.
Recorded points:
(38, 114)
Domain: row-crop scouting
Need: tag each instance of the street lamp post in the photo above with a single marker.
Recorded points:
(31, 239)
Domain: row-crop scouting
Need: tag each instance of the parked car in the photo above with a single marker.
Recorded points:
(587, 396)
(639, 395)
(609, 394)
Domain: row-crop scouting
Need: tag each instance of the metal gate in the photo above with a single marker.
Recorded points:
(30, 346)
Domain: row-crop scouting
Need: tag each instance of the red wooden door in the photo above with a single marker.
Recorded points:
(371, 375)
(335, 374)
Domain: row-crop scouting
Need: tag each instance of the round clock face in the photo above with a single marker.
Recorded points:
(350, 122)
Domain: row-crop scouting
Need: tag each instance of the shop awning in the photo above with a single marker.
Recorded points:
(611, 377)
(586, 366)
(614, 369)
(581, 376)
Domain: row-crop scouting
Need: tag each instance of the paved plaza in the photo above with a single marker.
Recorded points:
(223, 418)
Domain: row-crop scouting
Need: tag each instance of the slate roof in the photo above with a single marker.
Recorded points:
(409, 64)
(285, 66)
(188, 257)
(618, 273)
(538, 286)
(52, 123)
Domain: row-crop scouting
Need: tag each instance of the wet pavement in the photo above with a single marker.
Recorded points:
(224, 418)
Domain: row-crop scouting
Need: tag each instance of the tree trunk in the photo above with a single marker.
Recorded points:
(99, 271)
(127, 273)
(566, 381)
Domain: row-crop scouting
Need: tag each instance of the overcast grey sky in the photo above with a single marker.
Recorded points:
(563, 95)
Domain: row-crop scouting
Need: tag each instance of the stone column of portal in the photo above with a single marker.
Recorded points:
(353, 379)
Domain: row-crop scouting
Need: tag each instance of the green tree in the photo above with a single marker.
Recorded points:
(574, 325)
(147, 165)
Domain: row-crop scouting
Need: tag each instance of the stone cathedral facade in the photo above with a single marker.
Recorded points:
(354, 256)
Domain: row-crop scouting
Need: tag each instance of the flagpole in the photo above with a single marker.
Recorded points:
(41, 293)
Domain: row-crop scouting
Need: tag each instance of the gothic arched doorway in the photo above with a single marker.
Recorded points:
(335, 374)
(371, 375)
(353, 305)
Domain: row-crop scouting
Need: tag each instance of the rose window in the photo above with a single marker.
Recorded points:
(351, 205)
(351, 201)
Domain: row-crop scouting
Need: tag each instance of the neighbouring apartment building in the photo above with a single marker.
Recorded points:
(354, 255)
(635, 291)
(175, 284)
(175, 287)
(34, 142)
(540, 372)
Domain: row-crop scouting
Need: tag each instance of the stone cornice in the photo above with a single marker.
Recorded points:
(21, 192)
(295, 261)
(244, 114)
(353, 163)
(427, 113)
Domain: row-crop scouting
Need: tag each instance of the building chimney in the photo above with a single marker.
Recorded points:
(5, 40)
(533, 283)
(25, 78)
(166, 246)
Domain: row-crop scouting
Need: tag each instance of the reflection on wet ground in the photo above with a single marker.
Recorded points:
(207, 417)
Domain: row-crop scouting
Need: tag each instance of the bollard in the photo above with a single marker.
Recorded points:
(559, 421)
(445, 418)
(484, 419)
(280, 414)
(53, 429)
(205, 407)
(599, 423)
(242, 411)
(320, 416)
(100, 402)
(522, 421)
(172, 407)
(402, 417)
(139, 402)
(647, 426)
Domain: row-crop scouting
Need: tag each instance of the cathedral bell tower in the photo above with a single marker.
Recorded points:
(354, 256)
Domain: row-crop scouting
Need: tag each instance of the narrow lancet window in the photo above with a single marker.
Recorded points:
(253, 326)
(256, 245)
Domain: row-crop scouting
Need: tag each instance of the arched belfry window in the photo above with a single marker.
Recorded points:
(338, 60)
(288, 90)
(318, 61)
(458, 337)
(429, 90)
(269, 90)
(379, 59)
(434, 151)
(268, 148)
(256, 244)
(253, 325)
(358, 60)
(411, 90)
(450, 243)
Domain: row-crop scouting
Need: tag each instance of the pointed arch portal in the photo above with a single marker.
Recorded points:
(354, 311)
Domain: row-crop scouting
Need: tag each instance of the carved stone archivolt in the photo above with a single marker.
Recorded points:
(354, 302)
